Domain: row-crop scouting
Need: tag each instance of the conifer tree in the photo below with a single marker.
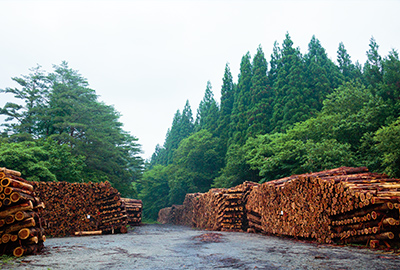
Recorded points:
(290, 88)
(373, 70)
(275, 63)
(346, 67)
(227, 99)
(242, 100)
(261, 105)
(322, 75)
(207, 113)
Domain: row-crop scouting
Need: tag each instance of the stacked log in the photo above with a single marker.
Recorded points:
(164, 216)
(77, 208)
(206, 210)
(254, 207)
(171, 215)
(345, 205)
(111, 210)
(133, 211)
(189, 209)
(232, 207)
(68, 208)
(367, 210)
(21, 231)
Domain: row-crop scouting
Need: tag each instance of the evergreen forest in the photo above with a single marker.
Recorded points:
(295, 113)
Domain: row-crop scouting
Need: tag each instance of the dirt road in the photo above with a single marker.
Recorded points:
(177, 247)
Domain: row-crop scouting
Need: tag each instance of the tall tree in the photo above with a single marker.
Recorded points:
(242, 100)
(24, 119)
(207, 113)
(373, 69)
(182, 127)
(389, 89)
(259, 112)
(275, 63)
(290, 89)
(227, 99)
(349, 70)
(321, 75)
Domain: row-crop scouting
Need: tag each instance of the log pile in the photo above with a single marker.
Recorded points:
(21, 231)
(77, 208)
(111, 210)
(366, 210)
(206, 210)
(171, 215)
(345, 205)
(133, 211)
(232, 207)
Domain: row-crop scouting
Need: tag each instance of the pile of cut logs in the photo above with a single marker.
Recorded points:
(171, 215)
(81, 208)
(231, 208)
(111, 209)
(349, 205)
(21, 229)
(133, 211)
(205, 209)
(365, 209)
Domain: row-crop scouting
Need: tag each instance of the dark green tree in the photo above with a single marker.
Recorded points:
(275, 63)
(71, 115)
(207, 113)
(259, 112)
(321, 75)
(291, 93)
(33, 94)
(389, 89)
(227, 99)
(154, 191)
(373, 69)
(349, 70)
(242, 100)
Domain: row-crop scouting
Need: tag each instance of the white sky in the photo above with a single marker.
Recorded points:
(146, 58)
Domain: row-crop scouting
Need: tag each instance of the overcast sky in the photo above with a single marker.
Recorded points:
(146, 58)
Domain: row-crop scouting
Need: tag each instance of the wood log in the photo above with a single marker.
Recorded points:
(83, 233)
(30, 222)
(5, 182)
(8, 171)
(21, 207)
(20, 196)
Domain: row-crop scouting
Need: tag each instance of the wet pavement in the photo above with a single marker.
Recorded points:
(179, 247)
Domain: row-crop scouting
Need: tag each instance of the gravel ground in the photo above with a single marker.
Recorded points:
(178, 247)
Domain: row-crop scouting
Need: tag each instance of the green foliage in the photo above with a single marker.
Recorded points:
(154, 191)
(207, 113)
(60, 107)
(182, 127)
(388, 143)
(292, 103)
(42, 161)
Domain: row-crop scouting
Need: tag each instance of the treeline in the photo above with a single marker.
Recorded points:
(57, 130)
(296, 114)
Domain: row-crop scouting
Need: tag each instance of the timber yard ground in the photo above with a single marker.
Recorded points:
(178, 247)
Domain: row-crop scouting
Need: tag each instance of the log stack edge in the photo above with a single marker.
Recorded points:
(21, 226)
